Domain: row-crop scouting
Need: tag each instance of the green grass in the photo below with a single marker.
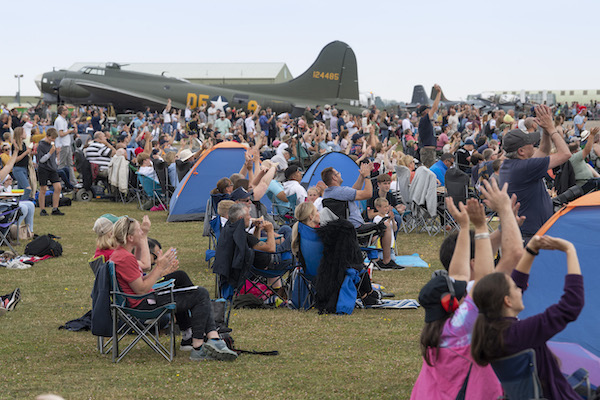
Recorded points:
(370, 354)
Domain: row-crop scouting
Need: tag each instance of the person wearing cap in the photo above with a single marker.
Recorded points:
(448, 370)
(441, 166)
(463, 156)
(250, 124)
(579, 121)
(105, 244)
(212, 114)
(357, 144)
(282, 161)
(223, 124)
(327, 114)
(185, 160)
(427, 141)
(525, 168)
(292, 185)
(583, 171)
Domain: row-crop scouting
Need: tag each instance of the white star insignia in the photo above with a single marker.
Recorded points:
(220, 103)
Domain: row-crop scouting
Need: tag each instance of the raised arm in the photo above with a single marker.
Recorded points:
(484, 258)
(510, 235)
(590, 141)
(544, 119)
(459, 268)
(436, 102)
(364, 178)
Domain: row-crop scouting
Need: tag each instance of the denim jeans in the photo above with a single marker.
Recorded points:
(20, 174)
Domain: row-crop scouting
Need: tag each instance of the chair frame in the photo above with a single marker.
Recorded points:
(506, 373)
(12, 218)
(145, 323)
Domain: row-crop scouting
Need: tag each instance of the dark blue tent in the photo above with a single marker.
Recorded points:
(340, 161)
(192, 193)
(579, 223)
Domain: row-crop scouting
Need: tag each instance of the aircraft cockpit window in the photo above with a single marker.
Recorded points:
(92, 71)
(44, 80)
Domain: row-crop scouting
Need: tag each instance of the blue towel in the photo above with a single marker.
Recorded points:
(411, 261)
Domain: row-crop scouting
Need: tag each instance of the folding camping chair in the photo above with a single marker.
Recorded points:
(151, 189)
(457, 187)
(518, 375)
(283, 212)
(303, 277)
(403, 187)
(9, 215)
(423, 194)
(144, 323)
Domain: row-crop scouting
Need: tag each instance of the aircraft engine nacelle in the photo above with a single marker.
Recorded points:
(71, 90)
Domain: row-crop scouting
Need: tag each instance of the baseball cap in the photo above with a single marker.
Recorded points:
(516, 139)
(240, 194)
(421, 109)
(102, 226)
(470, 141)
(356, 136)
(430, 296)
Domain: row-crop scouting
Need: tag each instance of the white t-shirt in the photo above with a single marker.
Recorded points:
(406, 124)
(61, 124)
(27, 127)
(250, 126)
(294, 187)
(166, 117)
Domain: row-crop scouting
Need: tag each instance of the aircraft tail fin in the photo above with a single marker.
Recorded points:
(333, 75)
(434, 93)
(419, 95)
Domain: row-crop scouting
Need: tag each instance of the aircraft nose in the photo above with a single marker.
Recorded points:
(38, 81)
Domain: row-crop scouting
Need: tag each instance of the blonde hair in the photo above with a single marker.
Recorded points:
(406, 160)
(104, 229)
(123, 228)
(224, 206)
(302, 213)
(380, 202)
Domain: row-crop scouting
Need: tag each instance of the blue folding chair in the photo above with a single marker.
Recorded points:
(144, 323)
(518, 375)
(9, 215)
(151, 189)
(311, 252)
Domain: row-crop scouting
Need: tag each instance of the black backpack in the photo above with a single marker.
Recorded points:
(43, 246)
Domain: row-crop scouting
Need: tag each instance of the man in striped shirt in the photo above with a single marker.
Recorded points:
(100, 151)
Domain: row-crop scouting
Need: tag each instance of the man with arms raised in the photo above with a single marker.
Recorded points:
(525, 167)
(427, 140)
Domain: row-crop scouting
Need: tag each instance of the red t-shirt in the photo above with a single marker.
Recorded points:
(104, 252)
(128, 270)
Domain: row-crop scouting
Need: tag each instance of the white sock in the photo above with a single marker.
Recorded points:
(187, 334)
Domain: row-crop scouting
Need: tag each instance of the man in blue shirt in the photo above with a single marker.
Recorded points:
(579, 121)
(333, 179)
(440, 167)
(525, 167)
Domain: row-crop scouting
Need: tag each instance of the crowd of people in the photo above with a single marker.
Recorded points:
(514, 160)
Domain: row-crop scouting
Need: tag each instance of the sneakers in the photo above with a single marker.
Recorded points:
(56, 211)
(372, 299)
(200, 355)
(219, 350)
(43, 213)
(390, 265)
(12, 301)
(186, 345)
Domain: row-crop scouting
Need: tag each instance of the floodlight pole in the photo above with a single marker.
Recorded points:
(19, 76)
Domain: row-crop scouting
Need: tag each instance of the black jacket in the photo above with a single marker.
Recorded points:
(234, 256)
(101, 318)
(340, 251)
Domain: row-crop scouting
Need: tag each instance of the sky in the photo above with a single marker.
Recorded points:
(467, 47)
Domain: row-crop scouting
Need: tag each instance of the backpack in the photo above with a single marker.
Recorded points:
(43, 246)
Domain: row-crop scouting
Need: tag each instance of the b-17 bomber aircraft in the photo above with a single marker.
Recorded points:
(332, 79)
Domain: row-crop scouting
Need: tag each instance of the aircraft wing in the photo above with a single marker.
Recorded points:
(107, 91)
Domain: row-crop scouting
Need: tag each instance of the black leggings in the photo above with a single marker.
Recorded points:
(193, 306)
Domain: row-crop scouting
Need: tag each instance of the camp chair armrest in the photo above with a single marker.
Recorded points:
(164, 284)
(133, 296)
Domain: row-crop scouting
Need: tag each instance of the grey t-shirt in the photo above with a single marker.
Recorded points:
(345, 193)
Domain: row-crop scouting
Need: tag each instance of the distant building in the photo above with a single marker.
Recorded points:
(210, 73)
(558, 96)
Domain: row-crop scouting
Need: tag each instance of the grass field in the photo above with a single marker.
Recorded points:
(372, 354)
